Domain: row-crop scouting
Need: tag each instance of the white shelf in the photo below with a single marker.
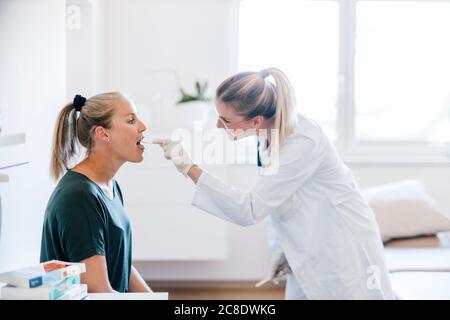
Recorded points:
(12, 139)
(14, 165)
(14, 151)
(5, 177)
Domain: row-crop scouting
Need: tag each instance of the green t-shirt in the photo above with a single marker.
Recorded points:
(82, 221)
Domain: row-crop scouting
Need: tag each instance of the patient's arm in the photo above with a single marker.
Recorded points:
(96, 275)
(137, 284)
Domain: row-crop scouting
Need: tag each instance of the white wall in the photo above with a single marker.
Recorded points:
(32, 90)
(79, 48)
(148, 48)
(436, 178)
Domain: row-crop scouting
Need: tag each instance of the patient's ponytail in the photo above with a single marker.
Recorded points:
(64, 140)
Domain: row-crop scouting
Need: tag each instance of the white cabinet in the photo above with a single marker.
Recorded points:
(166, 227)
(11, 155)
(12, 150)
(12, 139)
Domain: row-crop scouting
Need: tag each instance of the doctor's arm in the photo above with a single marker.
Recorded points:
(297, 163)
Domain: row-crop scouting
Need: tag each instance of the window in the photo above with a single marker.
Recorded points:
(375, 74)
(402, 71)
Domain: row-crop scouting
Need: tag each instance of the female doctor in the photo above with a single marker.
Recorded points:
(326, 231)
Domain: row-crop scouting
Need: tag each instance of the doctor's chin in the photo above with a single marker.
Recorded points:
(185, 151)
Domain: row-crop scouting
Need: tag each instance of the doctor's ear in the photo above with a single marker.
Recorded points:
(101, 133)
(258, 122)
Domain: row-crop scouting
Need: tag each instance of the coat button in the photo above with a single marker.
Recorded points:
(301, 275)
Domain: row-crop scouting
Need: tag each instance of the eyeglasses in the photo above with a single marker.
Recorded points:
(229, 125)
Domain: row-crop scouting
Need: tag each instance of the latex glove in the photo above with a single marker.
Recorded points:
(173, 150)
(279, 269)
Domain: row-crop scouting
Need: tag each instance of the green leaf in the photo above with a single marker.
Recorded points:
(200, 94)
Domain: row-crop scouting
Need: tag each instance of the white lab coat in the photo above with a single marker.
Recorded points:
(324, 226)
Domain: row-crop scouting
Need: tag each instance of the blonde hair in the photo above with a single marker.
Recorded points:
(250, 94)
(72, 130)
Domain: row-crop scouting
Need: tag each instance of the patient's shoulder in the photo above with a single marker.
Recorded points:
(74, 192)
(75, 184)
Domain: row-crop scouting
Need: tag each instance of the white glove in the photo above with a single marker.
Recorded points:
(173, 150)
(279, 269)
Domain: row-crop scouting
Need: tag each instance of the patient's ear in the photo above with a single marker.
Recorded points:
(101, 134)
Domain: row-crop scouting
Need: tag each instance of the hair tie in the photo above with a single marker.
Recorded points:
(78, 102)
(264, 73)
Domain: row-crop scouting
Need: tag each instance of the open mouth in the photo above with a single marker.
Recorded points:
(139, 144)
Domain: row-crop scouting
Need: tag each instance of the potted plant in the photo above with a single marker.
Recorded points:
(195, 108)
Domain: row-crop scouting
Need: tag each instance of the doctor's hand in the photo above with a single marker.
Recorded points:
(173, 150)
(279, 269)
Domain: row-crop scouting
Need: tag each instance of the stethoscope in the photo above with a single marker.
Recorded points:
(258, 156)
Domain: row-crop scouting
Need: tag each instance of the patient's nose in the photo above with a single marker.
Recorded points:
(219, 124)
(143, 127)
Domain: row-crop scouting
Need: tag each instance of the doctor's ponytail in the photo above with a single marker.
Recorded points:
(285, 118)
